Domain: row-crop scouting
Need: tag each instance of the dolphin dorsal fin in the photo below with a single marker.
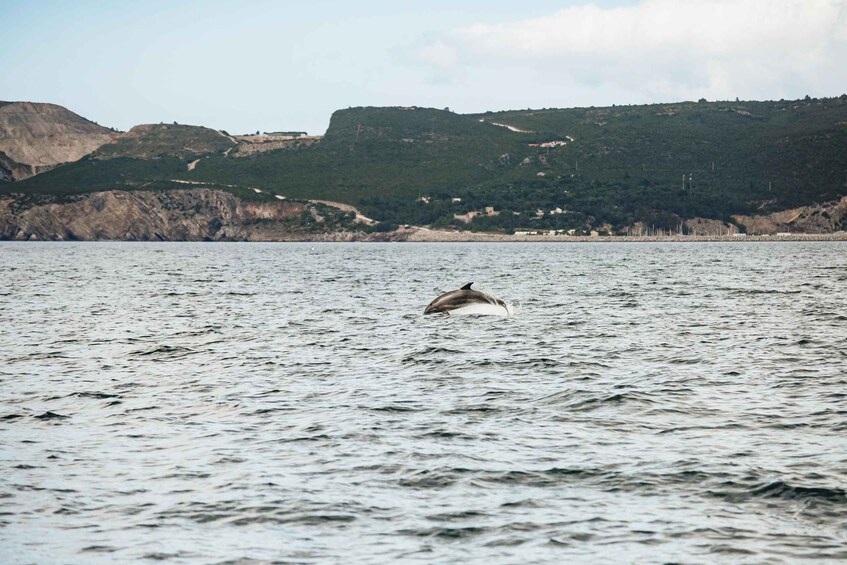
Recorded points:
(467, 286)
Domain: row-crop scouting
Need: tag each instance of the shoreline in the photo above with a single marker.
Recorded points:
(425, 235)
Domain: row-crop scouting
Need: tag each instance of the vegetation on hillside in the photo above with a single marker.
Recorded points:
(165, 140)
(565, 168)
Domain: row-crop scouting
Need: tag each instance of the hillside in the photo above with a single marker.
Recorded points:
(165, 140)
(656, 164)
(379, 158)
(147, 156)
(36, 137)
(779, 154)
(580, 168)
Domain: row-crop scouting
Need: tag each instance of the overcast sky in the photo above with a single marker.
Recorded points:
(283, 65)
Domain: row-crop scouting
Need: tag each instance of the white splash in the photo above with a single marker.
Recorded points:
(484, 309)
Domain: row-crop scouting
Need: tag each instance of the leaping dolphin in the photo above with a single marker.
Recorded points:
(468, 301)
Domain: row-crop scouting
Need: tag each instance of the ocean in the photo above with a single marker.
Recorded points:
(249, 403)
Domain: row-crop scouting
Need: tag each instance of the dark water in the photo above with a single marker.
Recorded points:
(209, 403)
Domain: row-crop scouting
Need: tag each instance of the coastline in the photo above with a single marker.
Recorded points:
(427, 235)
(424, 235)
(203, 214)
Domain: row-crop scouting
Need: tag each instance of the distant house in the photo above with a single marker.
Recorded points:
(456, 200)
(466, 217)
(487, 211)
(288, 133)
(548, 144)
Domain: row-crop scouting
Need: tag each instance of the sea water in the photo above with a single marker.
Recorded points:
(220, 403)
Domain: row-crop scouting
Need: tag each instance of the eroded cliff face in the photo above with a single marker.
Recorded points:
(709, 227)
(823, 218)
(36, 137)
(183, 215)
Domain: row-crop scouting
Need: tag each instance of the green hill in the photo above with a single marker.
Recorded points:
(165, 140)
(790, 152)
(380, 158)
(655, 163)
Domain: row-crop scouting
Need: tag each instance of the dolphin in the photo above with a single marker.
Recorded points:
(468, 301)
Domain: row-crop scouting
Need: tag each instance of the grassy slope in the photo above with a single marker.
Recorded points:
(171, 140)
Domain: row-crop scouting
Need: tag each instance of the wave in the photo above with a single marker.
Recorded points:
(47, 416)
(785, 491)
(165, 352)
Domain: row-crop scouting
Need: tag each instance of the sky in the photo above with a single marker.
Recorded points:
(260, 65)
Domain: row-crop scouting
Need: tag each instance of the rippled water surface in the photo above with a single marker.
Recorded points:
(209, 403)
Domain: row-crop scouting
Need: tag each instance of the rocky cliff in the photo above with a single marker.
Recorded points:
(179, 215)
(204, 214)
(821, 218)
(36, 137)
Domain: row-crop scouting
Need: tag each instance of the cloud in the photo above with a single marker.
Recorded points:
(439, 54)
(442, 59)
(665, 49)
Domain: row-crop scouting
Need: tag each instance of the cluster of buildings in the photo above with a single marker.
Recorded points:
(487, 211)
(592, 233)
(556, 143)
(549, 144)
(490, 211)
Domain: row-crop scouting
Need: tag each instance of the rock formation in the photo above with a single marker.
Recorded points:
(37, 137)
(820, 218)
(178, 215)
